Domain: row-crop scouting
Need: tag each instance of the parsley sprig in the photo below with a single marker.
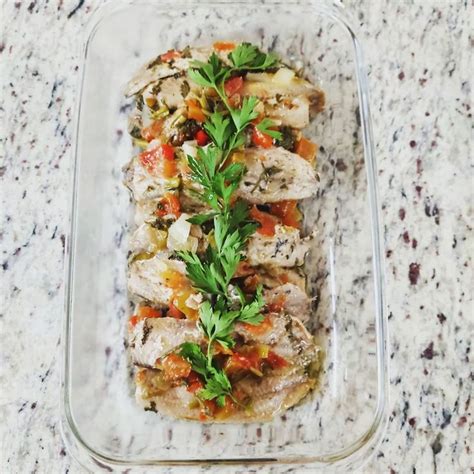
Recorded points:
(227, 133)
(212, 272)
(217, 384)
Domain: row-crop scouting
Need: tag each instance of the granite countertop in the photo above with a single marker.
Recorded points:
(417, 54)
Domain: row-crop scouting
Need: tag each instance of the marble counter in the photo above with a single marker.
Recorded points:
(418, 61)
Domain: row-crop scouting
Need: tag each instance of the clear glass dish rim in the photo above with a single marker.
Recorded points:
(356, 453)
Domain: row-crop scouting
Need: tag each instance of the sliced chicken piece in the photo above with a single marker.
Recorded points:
(276, 174)
(169, 92)
(143, 185)
(158, 69)
(294, 300)
(264, 396)
(273, 175)
(292, 112)
(154, 393)
(149, 279)
(279, 92)
(273, 277)
(284, 249)
(148, 239)
(153, 338)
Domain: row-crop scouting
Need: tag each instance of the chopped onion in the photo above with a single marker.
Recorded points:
(179, 237)
(284, 76)
(190, 148)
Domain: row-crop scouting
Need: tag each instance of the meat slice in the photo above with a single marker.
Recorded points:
(295, 300)
(148, 278)
(276, 174)
(284, 249)
(265, 396)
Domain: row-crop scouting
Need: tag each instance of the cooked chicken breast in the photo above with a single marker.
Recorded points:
(153, 338)
(271, 366)
(158, 69)
(273, 175)
(266, 396)
(284, 249)
(142, 184)
(276, 174)
(294, 300)
(287, 98)
(148, 278)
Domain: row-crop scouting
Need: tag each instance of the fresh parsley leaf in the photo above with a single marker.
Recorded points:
(243, 116)
(192, 352)
(219, 129)
(217, 384)
(208, 74)
(200, 219)
(205, 277)
(251, 313)
(217, 325)
(248, 56)
(216, 387)
(265, 126)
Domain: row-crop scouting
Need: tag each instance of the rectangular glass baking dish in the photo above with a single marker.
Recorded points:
(340, 425)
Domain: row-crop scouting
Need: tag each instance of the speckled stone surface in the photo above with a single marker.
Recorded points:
(418, 61)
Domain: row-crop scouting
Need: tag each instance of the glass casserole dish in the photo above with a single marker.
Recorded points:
(343, 420)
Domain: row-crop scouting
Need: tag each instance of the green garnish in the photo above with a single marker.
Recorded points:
(248, 57)
(217, 384)
(212, 272)
(265, 126)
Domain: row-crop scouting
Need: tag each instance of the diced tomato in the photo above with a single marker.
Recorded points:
(194, 382)
(149, 312)
(150, 160)
(201, 137)
(233, 86)
(152, 131)
(237, 362)
(167, 152)
(244, 269)
(288, 212)
(169, 55)
(144, 312)
(277, 304)
(259, 329)
(133, 321)
(267, 221)
(168, 204)
(169, 164)
(174, 312)
(174, 279)
(250, 361)
(283, 278)
(224, 46)
(175, 367)
(159, 161)
(210, 407)
(306, 149)
(276, 361)
(194, 111)
(251, 283)
(261, 139)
